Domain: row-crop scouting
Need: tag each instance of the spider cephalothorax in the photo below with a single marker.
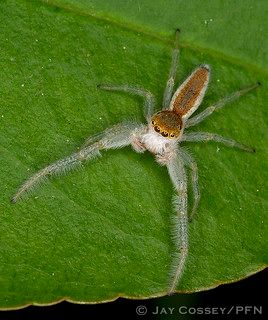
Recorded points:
(167, 123)
(162, 135)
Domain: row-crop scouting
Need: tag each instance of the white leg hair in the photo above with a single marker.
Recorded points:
(189, 161)
(180, 220)
(115, 137)
(221, 103)
(92, 139)
(149, 104)
(206, 136)
(172, 73)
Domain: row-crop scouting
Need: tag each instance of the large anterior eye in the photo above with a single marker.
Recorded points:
(164, 134)
(157, 129)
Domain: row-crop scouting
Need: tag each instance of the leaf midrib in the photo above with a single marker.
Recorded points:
(248, 65)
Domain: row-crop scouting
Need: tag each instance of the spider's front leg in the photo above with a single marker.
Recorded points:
(116, 137)
(190, 162)
(137, 143)
(165, 157)
(178, 177)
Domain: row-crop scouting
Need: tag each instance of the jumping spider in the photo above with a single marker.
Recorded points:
(161, 136)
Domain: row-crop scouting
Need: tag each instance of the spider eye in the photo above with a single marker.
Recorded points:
(172, 135)
(153, 122)
(157, 129)
(164, 134)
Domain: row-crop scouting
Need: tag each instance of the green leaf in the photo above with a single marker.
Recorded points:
(102, 232)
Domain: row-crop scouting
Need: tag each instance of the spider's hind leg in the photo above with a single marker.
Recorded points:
(149, 104)
(172, 73)
(220, 104)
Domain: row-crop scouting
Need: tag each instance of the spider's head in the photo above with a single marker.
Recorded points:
(167, 123)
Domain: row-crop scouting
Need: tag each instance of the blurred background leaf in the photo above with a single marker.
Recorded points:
(104, 231)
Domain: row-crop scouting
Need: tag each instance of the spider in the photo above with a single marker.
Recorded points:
(162, 136)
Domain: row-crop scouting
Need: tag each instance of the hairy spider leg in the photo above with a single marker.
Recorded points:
(115, 137)
(149, 103)
(178, 177)
(172, 73)
(191, 163)
(218, 105)
(206, 136)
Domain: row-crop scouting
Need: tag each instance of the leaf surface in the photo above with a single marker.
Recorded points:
(102, 232)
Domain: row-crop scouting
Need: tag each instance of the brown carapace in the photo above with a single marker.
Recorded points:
(185, 101)
(168, 123)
